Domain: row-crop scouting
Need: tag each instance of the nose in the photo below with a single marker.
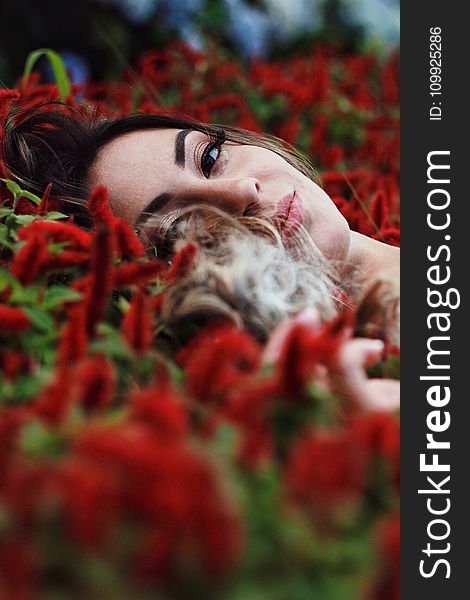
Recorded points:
(234, 196)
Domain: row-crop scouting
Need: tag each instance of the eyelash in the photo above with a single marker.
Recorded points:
(215, 144)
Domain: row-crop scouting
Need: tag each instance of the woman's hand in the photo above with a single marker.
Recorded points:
(347, 374)
(350, 379)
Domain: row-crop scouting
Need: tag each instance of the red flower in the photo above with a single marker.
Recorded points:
(97, 293)
(12, 320)
(76, 238)
(18, 569)
(379, 435)
(11, 421)
(290, 130)
(29, 259)
(44, 206)
(182, 262)
(137, 273)
(98, 206)
(89, 501)
(379, 209)
(73, 340)
(13, 363)
(248, 409)
(161, 410)
(168, 490)
(127, 242)
(95, 381)
(137, 325)
(304, 348)
(9, 95)
(387, 587)
(64, 260)
(325, 467)
(53, 402)
(220, 362)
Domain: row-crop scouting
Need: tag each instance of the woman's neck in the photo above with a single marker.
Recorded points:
(368, 259)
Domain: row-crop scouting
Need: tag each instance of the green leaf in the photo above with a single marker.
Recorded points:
(55, 296)
(56, 246)
(5, 211)
(36, 439)
(5, 236)
(24, 219)
(20, 391)
(7, 279)
(31, 196)
(17, 192)
(60, 73)
(111, 343)
(38, 318)
(54, 216)
(12, 186)
(24, 295)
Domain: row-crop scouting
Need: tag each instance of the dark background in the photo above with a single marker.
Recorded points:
(104, 35)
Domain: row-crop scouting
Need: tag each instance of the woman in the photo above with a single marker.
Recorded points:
(163, 171)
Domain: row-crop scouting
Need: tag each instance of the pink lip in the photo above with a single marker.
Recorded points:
(289, 215)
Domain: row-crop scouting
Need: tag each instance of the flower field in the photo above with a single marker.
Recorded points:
(217, 471)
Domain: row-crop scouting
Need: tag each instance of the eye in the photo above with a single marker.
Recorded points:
(211, 154)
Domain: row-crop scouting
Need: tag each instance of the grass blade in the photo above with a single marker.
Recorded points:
(58, 68)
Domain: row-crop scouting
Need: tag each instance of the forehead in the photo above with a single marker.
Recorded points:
(133, 166)
(133, 148)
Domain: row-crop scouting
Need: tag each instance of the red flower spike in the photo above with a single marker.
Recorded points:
(53, 402)
(65, 260)
(90, 501)
(14, 363)
(379, 435)
(13, 320)
(127, 242)
(10, 95)
(95, 381)
(137, 273)
(19, 567)
(304, 348)
(221, 363)
(98, 206)
(74, 340)
(165, 486)
(159, 409)
(248, 410)
(97, 294)
(28, 261)
(290, 130)
(44, 206)
(137, 325)
(379, 209)
(325, 468)
(182, 262)
(387, 586)
(73, 236)
(12, 420)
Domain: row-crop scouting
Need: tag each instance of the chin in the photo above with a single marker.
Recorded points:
(332, 239)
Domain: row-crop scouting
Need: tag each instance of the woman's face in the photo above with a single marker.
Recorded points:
(165, 170)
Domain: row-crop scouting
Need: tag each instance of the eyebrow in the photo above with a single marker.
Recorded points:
(160, 201)
(154, 206)
(180, 148)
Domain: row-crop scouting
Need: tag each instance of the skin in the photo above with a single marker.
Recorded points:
(139, 166)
